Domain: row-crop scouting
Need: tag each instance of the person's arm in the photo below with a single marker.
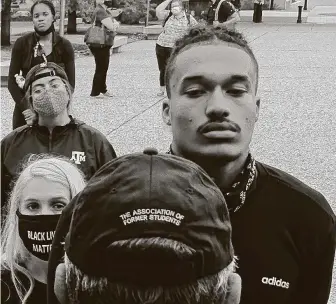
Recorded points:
(233, 18)
(15, 68)
(161, 12)
(5, 175)
(69, 62)
(106, 19)
(193, 21)
(110, 23)
(316, 242)
(317, 275)
(105, 151)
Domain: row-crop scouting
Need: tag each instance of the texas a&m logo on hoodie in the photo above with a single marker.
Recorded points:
(78, 157)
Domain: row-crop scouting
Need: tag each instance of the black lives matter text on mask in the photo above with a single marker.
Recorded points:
(152, 214)
(41, 237)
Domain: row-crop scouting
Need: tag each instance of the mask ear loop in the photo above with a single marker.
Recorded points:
(31, 99)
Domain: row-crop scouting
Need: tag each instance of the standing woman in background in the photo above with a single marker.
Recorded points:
(42, 45)
(257, 12)
(101, 54)
(176, 24)
(44, 187)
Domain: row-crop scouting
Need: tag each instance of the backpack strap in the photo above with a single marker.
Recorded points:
(165, 21)
(170, 14)
(188, 17)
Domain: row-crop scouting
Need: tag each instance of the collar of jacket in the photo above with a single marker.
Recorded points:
(236, 195)
(74, 123)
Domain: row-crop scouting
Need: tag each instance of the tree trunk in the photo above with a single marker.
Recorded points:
(72, 25)
(5, 22)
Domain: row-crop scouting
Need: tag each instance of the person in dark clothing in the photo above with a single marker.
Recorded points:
(222, 13)
(257, 11)
(101, 54)
(236, 4)
(55, 131)
(146, 243)
(44, 187)
(284, 232)
(44, 44)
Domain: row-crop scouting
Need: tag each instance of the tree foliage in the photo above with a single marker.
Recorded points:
(83, 6)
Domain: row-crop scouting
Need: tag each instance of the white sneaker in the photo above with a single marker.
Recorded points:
(100, 96)
(108, 94)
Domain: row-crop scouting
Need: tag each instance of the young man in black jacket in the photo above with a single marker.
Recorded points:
(284, 232)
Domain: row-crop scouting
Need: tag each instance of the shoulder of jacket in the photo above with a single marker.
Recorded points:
(88, 129)
(24, 38)
(16, 132)
(62, 40)
(290, 185)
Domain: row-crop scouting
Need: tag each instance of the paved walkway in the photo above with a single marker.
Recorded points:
(296, 127)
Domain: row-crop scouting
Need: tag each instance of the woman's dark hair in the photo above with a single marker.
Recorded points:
(47, 3)
(202, 34)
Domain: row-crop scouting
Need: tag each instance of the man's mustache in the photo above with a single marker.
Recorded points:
(219, 126)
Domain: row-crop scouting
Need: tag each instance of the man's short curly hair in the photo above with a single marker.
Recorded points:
(203, 35)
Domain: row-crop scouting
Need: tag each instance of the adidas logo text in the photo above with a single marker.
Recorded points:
(275, 282)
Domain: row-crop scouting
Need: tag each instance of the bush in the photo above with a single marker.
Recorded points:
(22, 18)
(131, 16)
(133, 11)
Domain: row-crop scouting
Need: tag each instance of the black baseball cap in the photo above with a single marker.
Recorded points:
(148, 195)
(35, 73)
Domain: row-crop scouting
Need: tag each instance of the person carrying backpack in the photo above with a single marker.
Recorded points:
(176, 22)
(222, 13)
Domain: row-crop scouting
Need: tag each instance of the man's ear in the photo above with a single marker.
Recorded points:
(166, 112)
(60, 287)
(258, 108)
(233, 289)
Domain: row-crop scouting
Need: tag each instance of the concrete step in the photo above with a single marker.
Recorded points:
(322, 15)
(274, 16)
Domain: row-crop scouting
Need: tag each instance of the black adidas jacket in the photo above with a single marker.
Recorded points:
(284, 236)
(83, 144)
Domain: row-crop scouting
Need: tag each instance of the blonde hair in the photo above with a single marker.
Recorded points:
(54, 168)
(83, 288)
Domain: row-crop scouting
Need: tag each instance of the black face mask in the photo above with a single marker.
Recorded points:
(45, 33)
(37, 233)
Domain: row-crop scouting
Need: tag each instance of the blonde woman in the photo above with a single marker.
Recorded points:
(44, 187)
